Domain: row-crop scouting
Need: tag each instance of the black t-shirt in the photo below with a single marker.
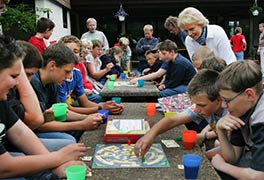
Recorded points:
(14, 102)
(7, 118)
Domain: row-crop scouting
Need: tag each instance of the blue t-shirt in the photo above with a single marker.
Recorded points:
(69, 86)
(46, 95)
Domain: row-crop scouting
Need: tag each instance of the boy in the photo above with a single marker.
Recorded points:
(145, 43)
(206, 108)
(37, 162)
(75, 85)
(240, 87)
(154, 64)
(44, 31)
(59, 61)
(24, 101)
(201, 53)
(180, 71)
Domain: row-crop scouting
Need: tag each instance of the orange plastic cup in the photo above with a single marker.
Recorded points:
(151, 109)
(189, 138)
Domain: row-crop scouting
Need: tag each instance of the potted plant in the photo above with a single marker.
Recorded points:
(255, 9)
(120, 14)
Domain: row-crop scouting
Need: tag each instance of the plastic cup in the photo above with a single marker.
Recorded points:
(123, 76)
(151, 109)
(110, 84)
(189, 138)
(112, 77)
(191, 163)
(76, 172)
(105, 113)
(140, 83)
(117, 100)
(126, 72)
(170, 114)
(60, 111)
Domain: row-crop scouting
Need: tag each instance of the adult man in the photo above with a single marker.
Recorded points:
(94, 34)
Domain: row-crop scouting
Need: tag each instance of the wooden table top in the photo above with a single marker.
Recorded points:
(174, 155)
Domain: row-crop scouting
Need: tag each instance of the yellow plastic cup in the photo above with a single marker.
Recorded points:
(170, 114)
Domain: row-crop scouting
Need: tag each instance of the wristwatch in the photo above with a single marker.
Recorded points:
(206, 136)
(99, 107)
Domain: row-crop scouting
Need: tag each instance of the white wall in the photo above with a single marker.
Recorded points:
(56, 16)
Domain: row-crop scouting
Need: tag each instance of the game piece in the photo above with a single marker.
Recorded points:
(178, 138)
(170, 143)
(143, 159)
(86, 158)
(89, 174)
(129, 142)
(180, 166)
(130, 151)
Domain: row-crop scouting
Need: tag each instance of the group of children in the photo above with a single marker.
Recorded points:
(227, 103)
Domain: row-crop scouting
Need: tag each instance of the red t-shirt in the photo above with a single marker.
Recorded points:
(38, 43)
(86, 83)
(237, 42)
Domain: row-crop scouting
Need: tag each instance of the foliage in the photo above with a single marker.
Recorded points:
(255, 7)
(21, 16)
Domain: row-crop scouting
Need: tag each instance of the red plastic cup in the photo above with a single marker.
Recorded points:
(151, 109)
(189, 138)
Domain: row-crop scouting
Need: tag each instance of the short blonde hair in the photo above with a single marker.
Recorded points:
(123, 41)
(87, 42)
(191, 15)
(89, 20)
(148, 27)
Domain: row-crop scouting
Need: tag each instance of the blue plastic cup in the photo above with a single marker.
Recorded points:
(191, 163)
(105, 114)
(140, 83)
(123, 76)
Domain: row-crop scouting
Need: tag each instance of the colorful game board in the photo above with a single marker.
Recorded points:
(122, 156)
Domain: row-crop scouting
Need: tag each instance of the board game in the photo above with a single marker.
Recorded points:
(119, 131)
(122, 156)
(123, 83)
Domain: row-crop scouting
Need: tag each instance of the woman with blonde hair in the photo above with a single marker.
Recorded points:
(201, 33)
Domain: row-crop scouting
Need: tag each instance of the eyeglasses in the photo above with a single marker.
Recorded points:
(227, 101)
(3, 9)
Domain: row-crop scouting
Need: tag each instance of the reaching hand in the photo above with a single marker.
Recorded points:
(113, 107)
(142, 145)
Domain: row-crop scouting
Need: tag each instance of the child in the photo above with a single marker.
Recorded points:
(201, 53)
(238, 43)
(24, 101)
(73, 84)
(179, 71)
(36, 162)
(44, 31)
(216, 63)
(94, 63)
(125, 62)
(75, 45)
(113, 55)
(206, 108)
(240, 87)
(154, 64)
(59, 61)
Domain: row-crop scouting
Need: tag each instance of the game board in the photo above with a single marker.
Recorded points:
(118, 156)
(123, 83)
